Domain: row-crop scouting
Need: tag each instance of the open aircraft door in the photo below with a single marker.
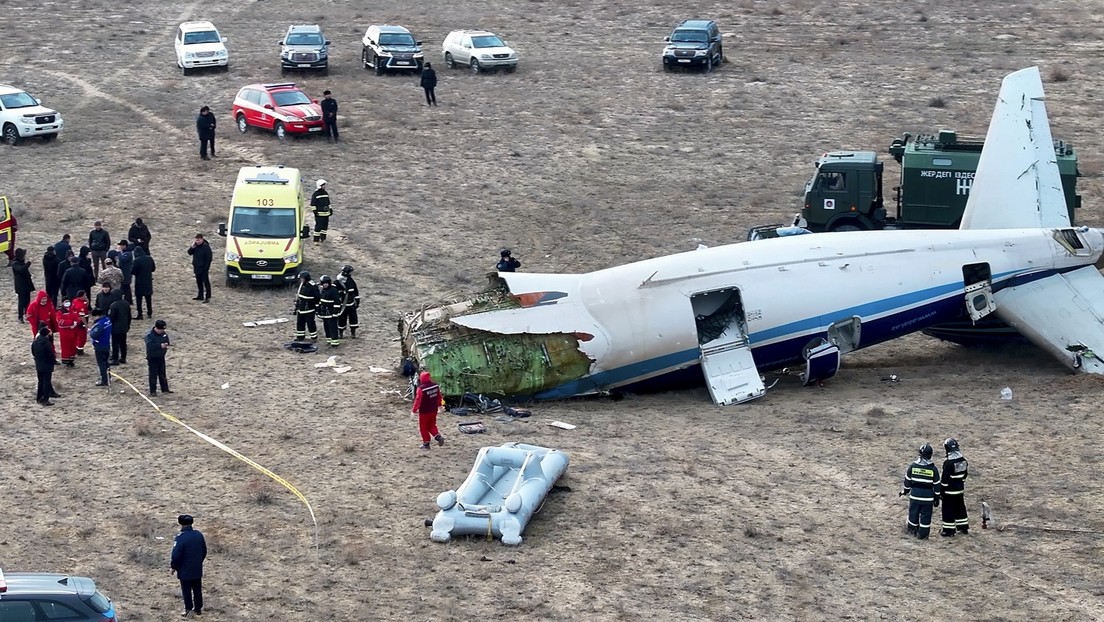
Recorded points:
(979, 290)
(7, 225)
(726, 360)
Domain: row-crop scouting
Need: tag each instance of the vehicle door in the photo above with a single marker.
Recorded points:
(466, 50)
(5, 225)
(726, 360)
(265, 108)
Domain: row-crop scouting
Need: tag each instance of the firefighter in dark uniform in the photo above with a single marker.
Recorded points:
(329, 310)
(349, 319)
(954, 485)
(320, 205)
(306, 303)
(340, 287)
(922, 487)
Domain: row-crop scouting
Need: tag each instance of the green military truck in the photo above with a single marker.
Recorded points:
(845, 192)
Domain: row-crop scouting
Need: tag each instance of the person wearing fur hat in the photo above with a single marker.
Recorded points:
(189, 551)
(427, 401)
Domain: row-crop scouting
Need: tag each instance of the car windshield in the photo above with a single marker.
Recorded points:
(487, 41)
(689, 36)
(206, 36)
(290, 98)
(304, 38)
(396, 38)
(264, 222)
(17, 100)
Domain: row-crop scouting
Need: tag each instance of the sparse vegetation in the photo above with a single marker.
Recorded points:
(261, 490)
(937, 102)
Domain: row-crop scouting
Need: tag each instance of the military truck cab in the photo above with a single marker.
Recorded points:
(937, 172)
(266, 226)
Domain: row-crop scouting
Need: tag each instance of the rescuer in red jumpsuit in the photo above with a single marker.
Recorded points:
(427, 401)
(68, 321)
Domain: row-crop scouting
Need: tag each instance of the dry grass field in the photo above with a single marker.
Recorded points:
(589, 156)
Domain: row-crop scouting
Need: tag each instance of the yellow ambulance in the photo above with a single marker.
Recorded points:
(7, 227)
(266, 227)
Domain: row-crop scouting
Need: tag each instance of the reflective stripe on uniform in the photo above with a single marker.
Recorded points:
(953, 492)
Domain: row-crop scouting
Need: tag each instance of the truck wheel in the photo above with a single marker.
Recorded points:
(449, 62)
(847, 226)
(243, 127)
(11, 135)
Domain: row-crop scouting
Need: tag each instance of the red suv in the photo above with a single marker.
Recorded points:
(281, 108)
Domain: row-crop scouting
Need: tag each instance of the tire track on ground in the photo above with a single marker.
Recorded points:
(245, 153)
(143, 54)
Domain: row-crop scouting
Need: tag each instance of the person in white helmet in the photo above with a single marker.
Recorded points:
(320, 205)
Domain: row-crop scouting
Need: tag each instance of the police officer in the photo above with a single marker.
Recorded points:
(954, 485)
(320, 205)
(329, 310)
(922, 487)
(349, 319)
(306, 304)
(506, 262)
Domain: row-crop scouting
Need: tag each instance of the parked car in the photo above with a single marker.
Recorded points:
(304, 48)
(198, 45)
(32, 596)
(694, 43)
(281, 108)
(478, 50)
(391, 48)
(23, 116)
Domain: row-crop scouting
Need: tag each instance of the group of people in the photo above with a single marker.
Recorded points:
(334, 301)
(926, 488)
(67, 308)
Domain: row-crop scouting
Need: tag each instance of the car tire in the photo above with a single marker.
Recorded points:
(475, 66)
(325, 71)
(450, 62)
(279, 130)
(708, 64)
(667, 67)
(379, 67)
(48, 137)
(283, 71)
(243, 125)
(183, 70)
(364, 58)
(511, 69)
(11, 135)
(226, 68)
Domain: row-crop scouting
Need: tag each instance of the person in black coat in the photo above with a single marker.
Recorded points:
(329, 116)
(119, 314)
(189, 551)
(50, 263)
(125, 261)
(200, 250)
(45, 358)
(139, 235)
(142, 270)
(89, 270)
(72, 280)
(99, 242)
(21, 275)
(205, 126)
(64, 247)
(429, 82)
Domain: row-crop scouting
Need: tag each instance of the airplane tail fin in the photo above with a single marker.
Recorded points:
(1017, 184)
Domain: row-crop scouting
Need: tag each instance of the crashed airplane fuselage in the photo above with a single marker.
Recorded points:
(734, 311)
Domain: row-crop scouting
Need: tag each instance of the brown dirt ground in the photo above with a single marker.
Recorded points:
(588, 156)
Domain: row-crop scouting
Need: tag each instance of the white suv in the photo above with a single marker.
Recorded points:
(198, 44)
(478, 50)
(23, 116)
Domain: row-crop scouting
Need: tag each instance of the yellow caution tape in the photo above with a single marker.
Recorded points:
(233, 452)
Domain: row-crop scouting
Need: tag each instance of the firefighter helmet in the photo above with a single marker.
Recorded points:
(326, 279)
(346, 269)
(304, 275)
(950, 445)
(925, 449)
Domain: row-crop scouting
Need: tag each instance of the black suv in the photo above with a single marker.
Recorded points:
(304, 47)
(694, 43)
(31, 596)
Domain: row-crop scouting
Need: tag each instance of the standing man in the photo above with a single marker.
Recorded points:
(64, 247)
(320, 205)
(157, 344)
(506, 262)
(139, 235)
(429, 82)
(99, 241)
(329, 310)
(21, 276)
(67, 322)
(50, 263)
(200, 250)
(104, 298)
(142, 269)
(922, 487)
(72, 280)
(329, 116)
(125, 261)
(40, 312)
(189, 551)
(45, 358)
(427, 401)
(306, 304)
(80, 306)
(954, 487)
(119, 312)
(349, 317)
(101, 344)
(205, 125)
(111, 273)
